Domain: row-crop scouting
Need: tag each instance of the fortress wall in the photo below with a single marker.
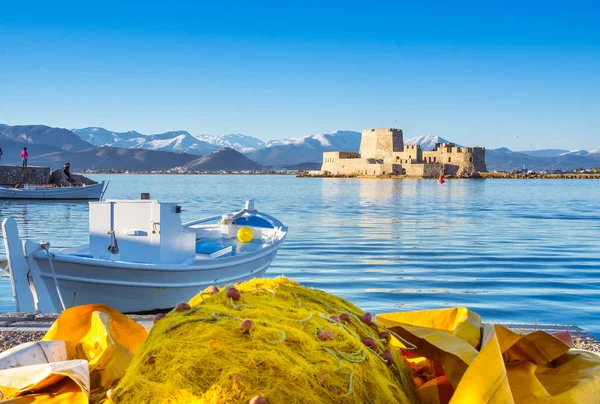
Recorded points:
(411, 152)
(341, 163)
(13, 175)
(368, 143)
(380, 143)
(361, 166)
(415, 170)
(479, 160)
(432, 170)
(461, 161)
(352, 166)
(468, 162)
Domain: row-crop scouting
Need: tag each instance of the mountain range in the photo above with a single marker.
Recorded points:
(236, 141)
(54, 146)
(99, 148)
(176, 141)
(504, 159)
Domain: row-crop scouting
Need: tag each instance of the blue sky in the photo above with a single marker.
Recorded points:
(521, 75)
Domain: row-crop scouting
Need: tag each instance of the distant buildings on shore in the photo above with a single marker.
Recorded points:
(383, 152)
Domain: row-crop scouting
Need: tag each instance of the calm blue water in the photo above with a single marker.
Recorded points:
(512, 250)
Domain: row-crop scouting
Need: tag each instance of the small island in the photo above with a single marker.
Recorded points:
(383, 154)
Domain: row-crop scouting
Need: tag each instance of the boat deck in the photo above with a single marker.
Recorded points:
(207, 248)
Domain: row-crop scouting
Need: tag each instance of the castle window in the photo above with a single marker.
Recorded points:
(470, 159)
(449, 159)
(434, 158)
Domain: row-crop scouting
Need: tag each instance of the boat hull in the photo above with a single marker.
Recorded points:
(93, 191)
(132, 288)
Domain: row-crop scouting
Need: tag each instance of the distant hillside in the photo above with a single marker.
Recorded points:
(44, 135)
(175, 141)
(544, 152)
(223, 159)
(304, 166)
(114, 158)
(236, 141)
(506, 160)
(11, 150)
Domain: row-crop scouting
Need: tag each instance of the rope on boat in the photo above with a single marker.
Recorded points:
(5, 272)
(104, 191)
(46, 247)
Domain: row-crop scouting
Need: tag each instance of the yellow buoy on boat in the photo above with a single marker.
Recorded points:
(245, 234)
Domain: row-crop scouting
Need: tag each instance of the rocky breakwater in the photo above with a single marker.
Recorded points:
(14, 175)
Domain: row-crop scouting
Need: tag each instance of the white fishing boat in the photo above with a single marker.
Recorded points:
(49, 191)
(140, 257)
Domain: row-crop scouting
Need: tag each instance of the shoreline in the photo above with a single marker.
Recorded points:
(479, 176)
(17, 328)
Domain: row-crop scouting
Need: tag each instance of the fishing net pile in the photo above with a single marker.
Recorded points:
(267, 341)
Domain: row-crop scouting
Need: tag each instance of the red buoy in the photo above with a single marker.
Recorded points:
(441, 180)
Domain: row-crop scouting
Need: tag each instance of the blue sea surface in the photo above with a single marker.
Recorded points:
(511, 250)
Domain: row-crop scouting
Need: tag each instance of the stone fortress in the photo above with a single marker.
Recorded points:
(383, 152)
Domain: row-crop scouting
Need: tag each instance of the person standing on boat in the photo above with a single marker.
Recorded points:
(62, 177)
(24, 156)
(67, 170)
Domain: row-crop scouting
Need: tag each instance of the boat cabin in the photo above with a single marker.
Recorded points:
(146, 231)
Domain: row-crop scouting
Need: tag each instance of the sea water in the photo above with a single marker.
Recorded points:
(511, 250)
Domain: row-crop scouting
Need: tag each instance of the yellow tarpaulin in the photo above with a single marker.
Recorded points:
(493, 364)
(99, 342)
(56, 383)
(101, 335)
(457, 360)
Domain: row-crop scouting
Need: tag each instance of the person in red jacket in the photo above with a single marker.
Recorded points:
(24, 156)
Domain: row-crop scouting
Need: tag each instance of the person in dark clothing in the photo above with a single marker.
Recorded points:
(63, 177)
(67, 171)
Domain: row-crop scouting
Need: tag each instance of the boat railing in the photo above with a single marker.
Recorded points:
(200, 221)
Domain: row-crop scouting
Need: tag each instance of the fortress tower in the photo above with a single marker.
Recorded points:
(380, 143)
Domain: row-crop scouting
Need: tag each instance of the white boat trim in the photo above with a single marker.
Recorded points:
(147, 285)
(86, 192)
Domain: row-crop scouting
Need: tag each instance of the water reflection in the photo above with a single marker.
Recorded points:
(511, 250)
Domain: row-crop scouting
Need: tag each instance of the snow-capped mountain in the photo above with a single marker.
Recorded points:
(103, 137)
(176, 141)
(343, 140)
(576, 152)
(236, 141)
(427, 142)
(305, 149)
